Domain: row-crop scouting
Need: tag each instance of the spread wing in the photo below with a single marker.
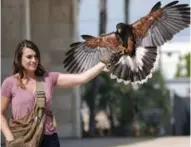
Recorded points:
(86, 54)
(161, 24)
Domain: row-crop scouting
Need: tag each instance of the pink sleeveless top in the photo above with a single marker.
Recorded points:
(22, 101)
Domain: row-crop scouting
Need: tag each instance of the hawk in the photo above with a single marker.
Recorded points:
(137, 44)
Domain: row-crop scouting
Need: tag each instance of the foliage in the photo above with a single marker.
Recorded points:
(154, 94)
(130, 103)
(187, 66)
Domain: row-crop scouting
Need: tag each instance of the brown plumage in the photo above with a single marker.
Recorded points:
(137, 43)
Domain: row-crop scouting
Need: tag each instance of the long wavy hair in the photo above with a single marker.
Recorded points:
(17, 63)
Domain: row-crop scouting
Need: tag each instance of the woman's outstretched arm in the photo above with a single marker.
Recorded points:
(71, 80)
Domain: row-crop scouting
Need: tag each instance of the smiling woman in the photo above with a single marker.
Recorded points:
(29, 59)
(29, 92)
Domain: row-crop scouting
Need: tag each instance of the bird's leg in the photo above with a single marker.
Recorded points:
(126, 50)
(114, 60)
(122, 50)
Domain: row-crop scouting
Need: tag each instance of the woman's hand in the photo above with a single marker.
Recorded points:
(4, 124)
(110, 60)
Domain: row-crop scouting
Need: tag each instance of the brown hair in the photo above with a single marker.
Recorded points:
(17, 66)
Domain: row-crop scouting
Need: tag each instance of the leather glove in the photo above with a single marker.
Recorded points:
(110, 60)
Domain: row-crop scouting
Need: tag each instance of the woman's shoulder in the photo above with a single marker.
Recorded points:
(9, 80)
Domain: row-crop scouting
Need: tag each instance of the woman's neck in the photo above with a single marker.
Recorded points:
(29, 75)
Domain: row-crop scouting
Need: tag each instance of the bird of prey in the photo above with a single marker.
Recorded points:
(137, 44)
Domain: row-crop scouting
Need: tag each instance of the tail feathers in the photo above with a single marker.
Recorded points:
(137, 69)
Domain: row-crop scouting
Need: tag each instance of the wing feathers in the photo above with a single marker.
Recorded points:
(87, 37)
(171, 4)
(75, 44)
(84, 55)
(156, 6)
(166, 22)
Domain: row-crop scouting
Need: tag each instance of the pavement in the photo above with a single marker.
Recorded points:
(127, 142)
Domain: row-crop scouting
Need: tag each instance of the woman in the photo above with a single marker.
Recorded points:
(19, 89)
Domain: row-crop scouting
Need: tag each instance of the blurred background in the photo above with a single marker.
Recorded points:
(102, 108)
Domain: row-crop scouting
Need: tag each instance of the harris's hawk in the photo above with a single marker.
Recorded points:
(137, 44)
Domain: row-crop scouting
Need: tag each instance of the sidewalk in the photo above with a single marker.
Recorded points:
(127, 142)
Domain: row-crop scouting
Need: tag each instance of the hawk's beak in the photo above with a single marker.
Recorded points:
(119, 30)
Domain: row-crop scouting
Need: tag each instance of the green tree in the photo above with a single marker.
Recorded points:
(152, 94)
(187, 66)
(187, 58)
(126, 102)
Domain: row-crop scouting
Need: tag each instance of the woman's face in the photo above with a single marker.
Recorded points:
(29, 60)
